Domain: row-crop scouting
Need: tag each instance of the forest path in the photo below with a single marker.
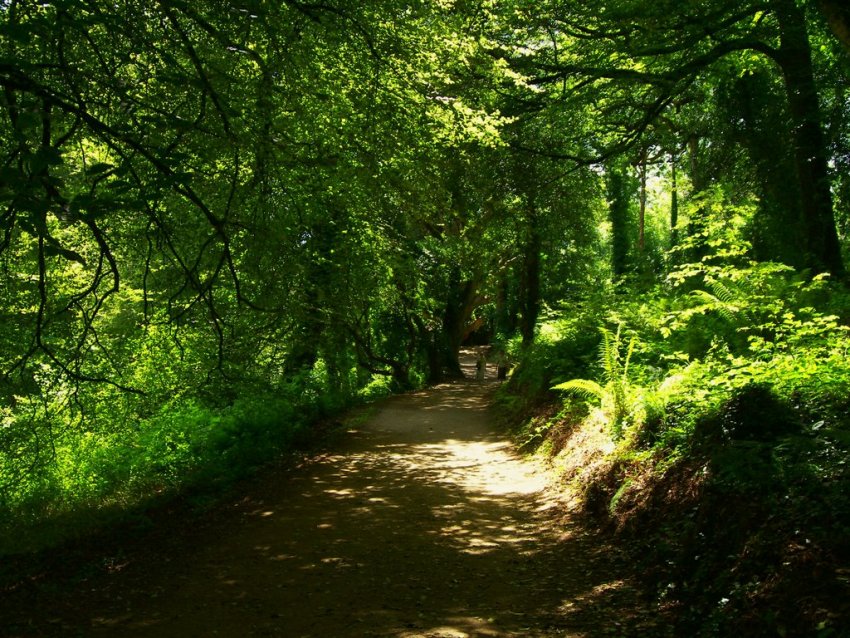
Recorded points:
(421, 522)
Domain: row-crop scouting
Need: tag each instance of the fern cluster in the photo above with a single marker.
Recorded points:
(616, 395)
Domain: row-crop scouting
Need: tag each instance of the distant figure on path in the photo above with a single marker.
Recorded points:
(481, 367)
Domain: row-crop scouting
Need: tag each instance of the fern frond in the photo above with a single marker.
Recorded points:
(725, 293)
(725, 309)
(604, 347)
(631, 349)
(705, 297)
(583, 387)
(609, 355)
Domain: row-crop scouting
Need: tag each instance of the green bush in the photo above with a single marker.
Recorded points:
(66, 465)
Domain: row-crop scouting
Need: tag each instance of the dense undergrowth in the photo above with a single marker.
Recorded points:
(81, 462)
(707, 421)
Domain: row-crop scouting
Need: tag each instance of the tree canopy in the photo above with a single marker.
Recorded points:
(211, 206)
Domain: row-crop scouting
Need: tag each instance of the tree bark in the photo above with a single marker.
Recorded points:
(674, 203)
(502, 321)
(618, 215)
(531, 280)
(795, 59)
(460, 304)
(642, 211)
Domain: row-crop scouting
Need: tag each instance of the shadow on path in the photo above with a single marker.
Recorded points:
(422, 523)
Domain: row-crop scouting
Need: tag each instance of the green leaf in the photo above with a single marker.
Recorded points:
(44, 157)
(99, 169)
(15, 31)
(583, 387)
(32, 219)
(91, 206)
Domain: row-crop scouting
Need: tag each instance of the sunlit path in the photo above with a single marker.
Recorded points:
(423, 523)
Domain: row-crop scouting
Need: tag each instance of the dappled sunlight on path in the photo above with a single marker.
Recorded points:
(421, 524)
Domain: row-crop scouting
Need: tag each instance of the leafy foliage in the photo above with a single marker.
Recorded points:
(617, 395)
(740, 373)
(221, 223)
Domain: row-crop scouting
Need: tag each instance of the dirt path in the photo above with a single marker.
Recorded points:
(421, 523)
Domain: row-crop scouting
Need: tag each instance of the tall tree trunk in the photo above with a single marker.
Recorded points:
(531, 280)
(448, 343)
(460, 304)
(697, 178)
(795, 59)
(502, 321)
(618, 215)
(642, 211)
(697, 221)
(428, 340)
(435, 364)
(777, 230)
(674, 203)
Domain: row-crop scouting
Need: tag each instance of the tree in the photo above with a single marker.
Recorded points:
(643, 58)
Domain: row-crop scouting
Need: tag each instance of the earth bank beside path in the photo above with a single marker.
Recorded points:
(421, 523)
